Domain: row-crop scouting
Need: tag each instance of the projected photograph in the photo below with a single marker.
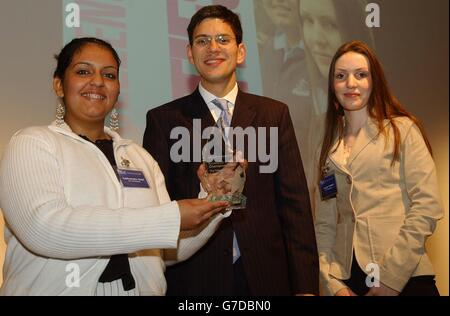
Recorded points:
(296, 41)
(147, 61)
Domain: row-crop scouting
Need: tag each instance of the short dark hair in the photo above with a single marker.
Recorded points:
(64, 58)
(216, 12)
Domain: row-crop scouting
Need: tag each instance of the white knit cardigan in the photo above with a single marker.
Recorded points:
(66, 212)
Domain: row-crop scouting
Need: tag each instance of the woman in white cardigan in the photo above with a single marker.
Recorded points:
(379, 196)
(87, 212)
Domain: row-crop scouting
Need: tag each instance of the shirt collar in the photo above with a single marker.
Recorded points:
(209, 97)
(65, 129)
(280, 42)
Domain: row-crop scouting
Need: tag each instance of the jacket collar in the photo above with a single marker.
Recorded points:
(244, 112)
(368, 133)
(65, 129)
(196, 108)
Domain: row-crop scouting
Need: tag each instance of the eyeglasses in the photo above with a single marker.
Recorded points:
(205, 41)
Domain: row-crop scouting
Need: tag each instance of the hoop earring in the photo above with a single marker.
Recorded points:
(114, 120)
(60, 112)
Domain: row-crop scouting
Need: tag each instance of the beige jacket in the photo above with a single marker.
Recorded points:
(383, 213)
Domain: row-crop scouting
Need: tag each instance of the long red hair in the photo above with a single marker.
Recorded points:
(382, 105)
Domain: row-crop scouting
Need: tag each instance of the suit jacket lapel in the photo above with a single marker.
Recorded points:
(244, 112)
(368, 133)
(197, 109)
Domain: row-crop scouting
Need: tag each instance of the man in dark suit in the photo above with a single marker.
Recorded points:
(269, 248)
(282, 51)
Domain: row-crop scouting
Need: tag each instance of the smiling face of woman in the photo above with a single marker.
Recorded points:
(91, 87)
(321, 32)
(353, 81)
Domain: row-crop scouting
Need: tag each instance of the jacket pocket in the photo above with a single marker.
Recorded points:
(383, 232)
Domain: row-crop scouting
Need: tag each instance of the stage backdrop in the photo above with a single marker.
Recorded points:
(282, 36)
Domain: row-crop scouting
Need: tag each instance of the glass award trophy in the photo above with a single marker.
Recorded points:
(224, 179)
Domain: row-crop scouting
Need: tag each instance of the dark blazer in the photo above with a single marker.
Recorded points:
(275, 232)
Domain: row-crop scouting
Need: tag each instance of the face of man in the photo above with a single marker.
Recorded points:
(284, 13)
(321, 32)
(216, 54)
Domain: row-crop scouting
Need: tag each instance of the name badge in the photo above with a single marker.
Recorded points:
(132, 178)
(328, 187)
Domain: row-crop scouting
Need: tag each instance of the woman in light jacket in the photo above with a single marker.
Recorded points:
(87, 212)
(325, 27)
(378, 196)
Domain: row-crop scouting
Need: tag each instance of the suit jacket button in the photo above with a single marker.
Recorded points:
(349, 180)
